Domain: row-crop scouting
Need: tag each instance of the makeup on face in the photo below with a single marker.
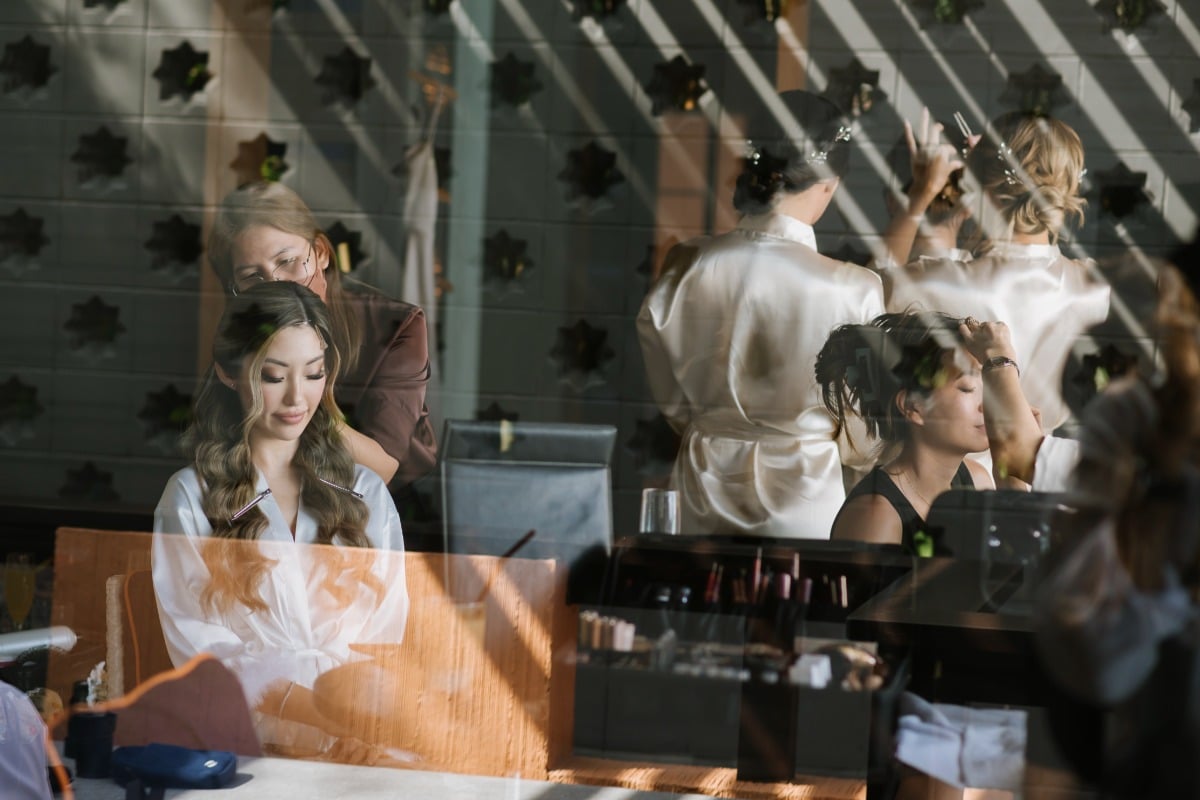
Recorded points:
(292, 382)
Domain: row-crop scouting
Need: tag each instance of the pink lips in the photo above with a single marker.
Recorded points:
(291, 419)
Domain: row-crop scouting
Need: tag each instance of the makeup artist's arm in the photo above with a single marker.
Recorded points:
(868, 518)
(1013, 431)
(933, 160)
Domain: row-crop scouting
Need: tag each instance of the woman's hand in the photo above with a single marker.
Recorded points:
(986, 340)
(933, 159)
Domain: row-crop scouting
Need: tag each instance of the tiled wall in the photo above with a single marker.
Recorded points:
(100, 311)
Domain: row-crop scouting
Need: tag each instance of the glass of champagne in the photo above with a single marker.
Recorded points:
(20, 579)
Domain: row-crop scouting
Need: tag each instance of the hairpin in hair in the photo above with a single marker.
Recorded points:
(819, 156)
(1005, 154)
(340, 488)
(241, 512)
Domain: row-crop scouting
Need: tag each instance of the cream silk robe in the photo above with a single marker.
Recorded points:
(305, 630)
(730, 334)
(1046, 299)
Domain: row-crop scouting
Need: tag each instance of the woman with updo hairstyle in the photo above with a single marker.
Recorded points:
(264, 232)
(1022, 187)
(731, 327)
(919, 394)
(274, 551)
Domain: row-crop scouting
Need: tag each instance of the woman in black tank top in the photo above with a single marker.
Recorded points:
(919, 393)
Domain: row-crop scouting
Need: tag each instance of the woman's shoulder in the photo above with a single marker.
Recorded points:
(369, 302)
(186, 482)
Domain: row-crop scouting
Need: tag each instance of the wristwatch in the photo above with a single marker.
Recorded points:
(996, 362)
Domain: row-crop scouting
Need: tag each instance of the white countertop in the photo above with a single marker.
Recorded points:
(314, 780)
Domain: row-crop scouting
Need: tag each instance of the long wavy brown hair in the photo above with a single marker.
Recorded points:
(219, 443)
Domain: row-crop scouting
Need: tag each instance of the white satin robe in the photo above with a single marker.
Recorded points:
(1046, 299)
(730, 335)
(305, 630)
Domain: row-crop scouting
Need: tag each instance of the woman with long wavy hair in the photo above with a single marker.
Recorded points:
(264, 232)
(239, 567)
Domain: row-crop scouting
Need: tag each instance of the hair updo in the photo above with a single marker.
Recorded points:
(787, 156)
(1030, 168)
(863, 368)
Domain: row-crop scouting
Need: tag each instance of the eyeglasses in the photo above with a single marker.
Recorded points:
(290, 269)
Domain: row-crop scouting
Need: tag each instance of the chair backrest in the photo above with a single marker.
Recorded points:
(1004, 532)
(500, 480)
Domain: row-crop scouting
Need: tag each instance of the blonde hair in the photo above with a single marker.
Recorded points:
(219, 442)
(272, 205)
(1030, 168)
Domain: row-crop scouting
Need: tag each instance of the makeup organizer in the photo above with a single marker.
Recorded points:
(732, 652)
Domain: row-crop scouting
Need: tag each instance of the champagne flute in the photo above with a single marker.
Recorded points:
(20, 579)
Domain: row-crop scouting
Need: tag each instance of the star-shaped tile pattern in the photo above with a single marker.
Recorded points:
(582, 354)
(347, 246)
(945, 12)
(1192, 107)
(598, 10)
(165, 415)
(504, 258)
(654, 445)
(94, 323)
(764, 10)
(676, 85)
(174, 243)
(1098, 370)
(182, 71)
(346, 77)
(513, 82)
(494, 413)
(436, 8)
(1036, 91)
(25, 66)
(260, 158)
(854, 88)
(21, 236)
(101, 155)
(89, 484)
(19, 407)
(1121, 191)
(109, 4)
(1128, 15)
(590, 172)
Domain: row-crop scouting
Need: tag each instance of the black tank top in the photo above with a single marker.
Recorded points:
(914, 539)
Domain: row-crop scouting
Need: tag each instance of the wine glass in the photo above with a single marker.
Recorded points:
(20, 579)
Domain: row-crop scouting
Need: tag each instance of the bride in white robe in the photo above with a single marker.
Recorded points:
(1025, 178)
(274, 552)
(730, 332)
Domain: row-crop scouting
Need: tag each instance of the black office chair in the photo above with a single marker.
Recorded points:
(1006, 532)
(501, 480)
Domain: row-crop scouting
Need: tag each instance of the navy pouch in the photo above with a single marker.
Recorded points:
(172, 767)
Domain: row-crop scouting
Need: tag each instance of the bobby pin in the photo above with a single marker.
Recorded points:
(340, 488)
(258, 498)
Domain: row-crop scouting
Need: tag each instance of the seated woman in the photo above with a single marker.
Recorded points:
(915, 389)
(270, 474)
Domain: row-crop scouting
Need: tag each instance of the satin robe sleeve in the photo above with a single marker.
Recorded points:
(180, 577)
(665, 387)
(384, 618)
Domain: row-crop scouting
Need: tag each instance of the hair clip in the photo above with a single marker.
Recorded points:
(242, 511)
(1005, 154)
(340, 488)
(819, 156)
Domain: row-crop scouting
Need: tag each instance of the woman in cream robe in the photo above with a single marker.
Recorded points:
(730, 334)
(1023, 185)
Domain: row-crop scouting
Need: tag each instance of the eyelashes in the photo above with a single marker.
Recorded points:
(316, 376)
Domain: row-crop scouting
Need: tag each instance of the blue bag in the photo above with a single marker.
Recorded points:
(172, 767)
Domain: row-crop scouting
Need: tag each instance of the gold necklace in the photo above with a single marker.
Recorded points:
(914, 489)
